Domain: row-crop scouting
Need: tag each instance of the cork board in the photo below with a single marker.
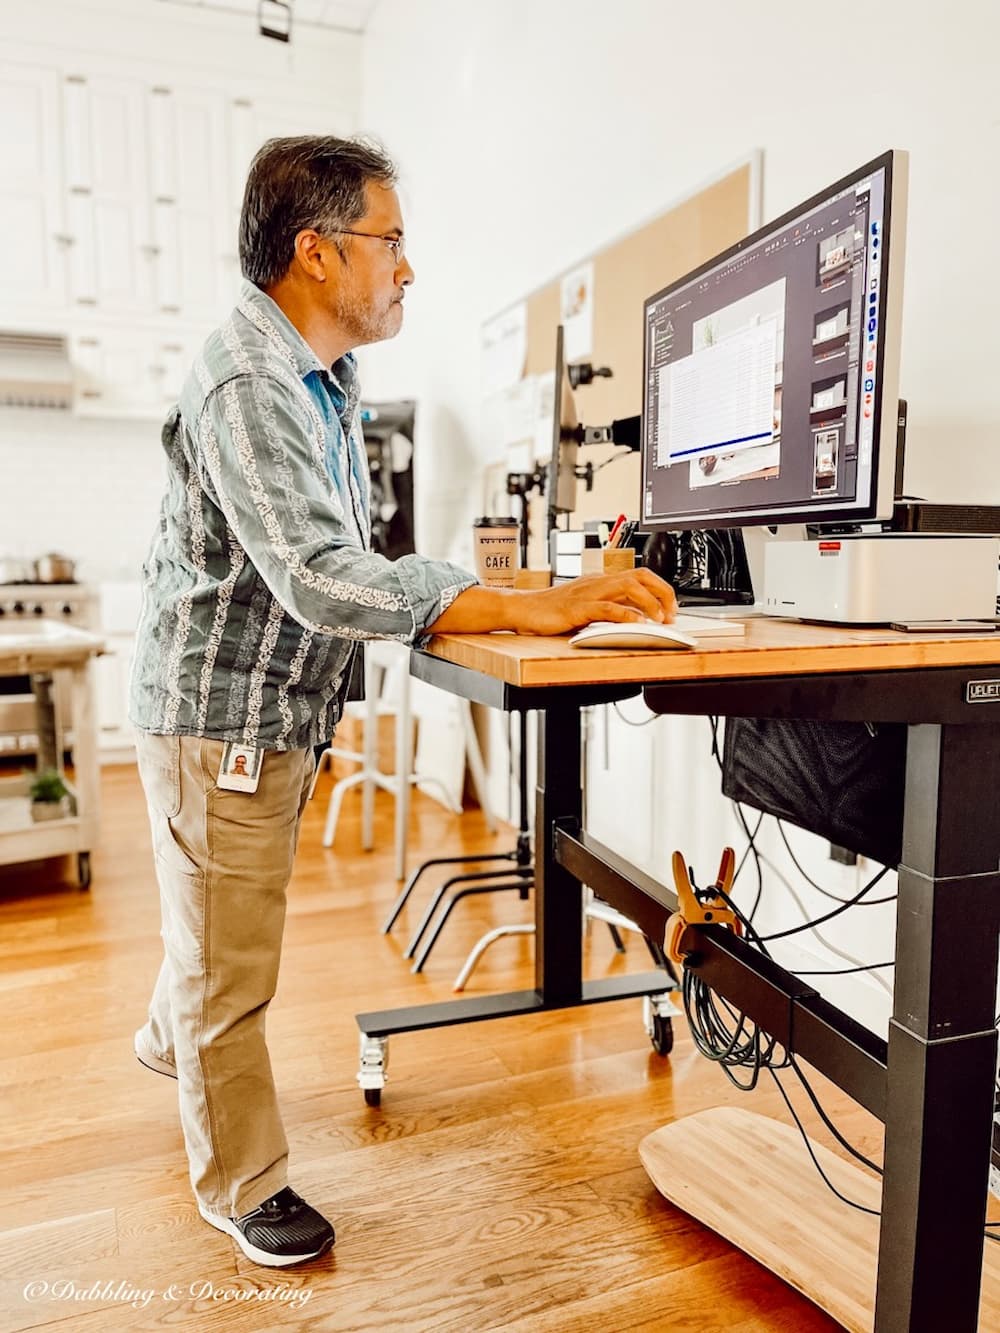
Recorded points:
(625, 273)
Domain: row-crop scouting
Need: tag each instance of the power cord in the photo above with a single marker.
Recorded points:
(872, 1212)
(751, 837)
(827, 943)
(654, 717)
(812, 883)
(828, 916)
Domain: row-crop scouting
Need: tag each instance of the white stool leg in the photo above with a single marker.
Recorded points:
(370, 756)
(483, 944)
(336, 797)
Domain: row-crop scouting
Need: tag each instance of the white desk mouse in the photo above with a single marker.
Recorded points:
(631, 634)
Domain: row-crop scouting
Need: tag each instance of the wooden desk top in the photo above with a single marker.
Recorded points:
(770, 647)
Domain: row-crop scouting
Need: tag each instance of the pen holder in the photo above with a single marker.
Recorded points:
(615, 559)
(606, 560)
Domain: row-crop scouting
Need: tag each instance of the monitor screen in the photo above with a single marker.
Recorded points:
(771, 372)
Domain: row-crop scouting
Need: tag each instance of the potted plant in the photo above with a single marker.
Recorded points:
(49, 796)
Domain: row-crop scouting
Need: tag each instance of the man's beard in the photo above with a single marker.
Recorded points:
(364, 323)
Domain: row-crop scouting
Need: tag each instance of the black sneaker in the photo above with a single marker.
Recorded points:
(283, 1230)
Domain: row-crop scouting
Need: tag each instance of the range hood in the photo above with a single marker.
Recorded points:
(35, 371)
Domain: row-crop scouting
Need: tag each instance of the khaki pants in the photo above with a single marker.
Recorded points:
(223, 861)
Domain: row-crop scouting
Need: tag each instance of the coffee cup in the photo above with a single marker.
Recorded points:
(495, 540)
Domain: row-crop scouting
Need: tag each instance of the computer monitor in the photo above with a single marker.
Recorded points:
(560, 482)
(771, 373)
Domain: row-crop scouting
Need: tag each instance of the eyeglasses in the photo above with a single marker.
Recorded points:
(397, 244)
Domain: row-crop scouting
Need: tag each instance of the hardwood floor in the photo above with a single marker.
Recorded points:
(497, 1187)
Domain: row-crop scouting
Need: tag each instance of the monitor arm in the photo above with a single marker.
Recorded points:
(624, 431)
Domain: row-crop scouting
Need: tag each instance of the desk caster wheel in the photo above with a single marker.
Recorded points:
(662, 1035)
(83, 869)
(371, 1071)
(657, 1017)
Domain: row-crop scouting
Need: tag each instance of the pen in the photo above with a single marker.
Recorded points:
(616, 531)
(602, 534)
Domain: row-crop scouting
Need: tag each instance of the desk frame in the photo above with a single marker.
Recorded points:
(933, 1082)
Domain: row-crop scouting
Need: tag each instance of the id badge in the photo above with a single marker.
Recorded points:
(240, 767)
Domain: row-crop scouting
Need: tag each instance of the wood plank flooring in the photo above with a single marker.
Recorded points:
(497, 1187)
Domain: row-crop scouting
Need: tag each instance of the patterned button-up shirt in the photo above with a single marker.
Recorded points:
(260, 579)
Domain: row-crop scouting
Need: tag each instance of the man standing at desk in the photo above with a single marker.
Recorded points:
(258, 587)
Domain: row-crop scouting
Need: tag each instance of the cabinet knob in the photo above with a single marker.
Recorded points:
(62, 238)
(150, 251)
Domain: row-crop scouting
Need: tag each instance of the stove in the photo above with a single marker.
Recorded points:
(72, 604)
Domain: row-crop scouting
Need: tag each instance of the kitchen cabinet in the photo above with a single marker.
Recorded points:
(120, 606)
(189, 202)
(130, 373)
(111, 251)
(112, 669)
(119, 211)
(33, 239)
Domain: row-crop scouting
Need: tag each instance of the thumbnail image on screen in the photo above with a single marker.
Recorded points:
(764, 369)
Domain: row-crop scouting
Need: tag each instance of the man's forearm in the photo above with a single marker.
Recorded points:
(629, 595)
(479, 610)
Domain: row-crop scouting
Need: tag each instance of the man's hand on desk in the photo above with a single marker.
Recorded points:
(635, 594)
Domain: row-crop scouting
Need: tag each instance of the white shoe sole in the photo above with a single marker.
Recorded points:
(151, 1061)
(263, 1257)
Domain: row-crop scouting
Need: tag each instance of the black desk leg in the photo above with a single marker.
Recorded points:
(942, 1043)
(558, 895)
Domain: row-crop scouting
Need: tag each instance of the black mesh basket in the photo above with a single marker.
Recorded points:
(840, 780)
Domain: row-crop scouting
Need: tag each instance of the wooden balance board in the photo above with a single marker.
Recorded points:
(750, 1179)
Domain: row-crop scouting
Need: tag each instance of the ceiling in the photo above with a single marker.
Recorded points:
(345, 15)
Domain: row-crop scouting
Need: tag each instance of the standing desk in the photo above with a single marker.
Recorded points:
(932, 1084)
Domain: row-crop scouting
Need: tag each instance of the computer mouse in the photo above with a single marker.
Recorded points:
(631, 634)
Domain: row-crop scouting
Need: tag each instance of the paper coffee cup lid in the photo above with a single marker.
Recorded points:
(495, 521)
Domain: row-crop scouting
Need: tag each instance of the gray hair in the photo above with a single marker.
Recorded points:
(310, 181)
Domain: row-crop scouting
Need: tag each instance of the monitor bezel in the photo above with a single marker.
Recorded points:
(879, 504)
(560, 475)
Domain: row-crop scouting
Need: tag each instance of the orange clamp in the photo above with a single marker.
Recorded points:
(700, 907)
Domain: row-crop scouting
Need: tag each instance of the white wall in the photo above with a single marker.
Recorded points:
(92, 487)
(532, 131)
(89, 489)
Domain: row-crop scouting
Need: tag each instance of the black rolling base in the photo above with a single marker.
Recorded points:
(377, 1027)
(416, 1018)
